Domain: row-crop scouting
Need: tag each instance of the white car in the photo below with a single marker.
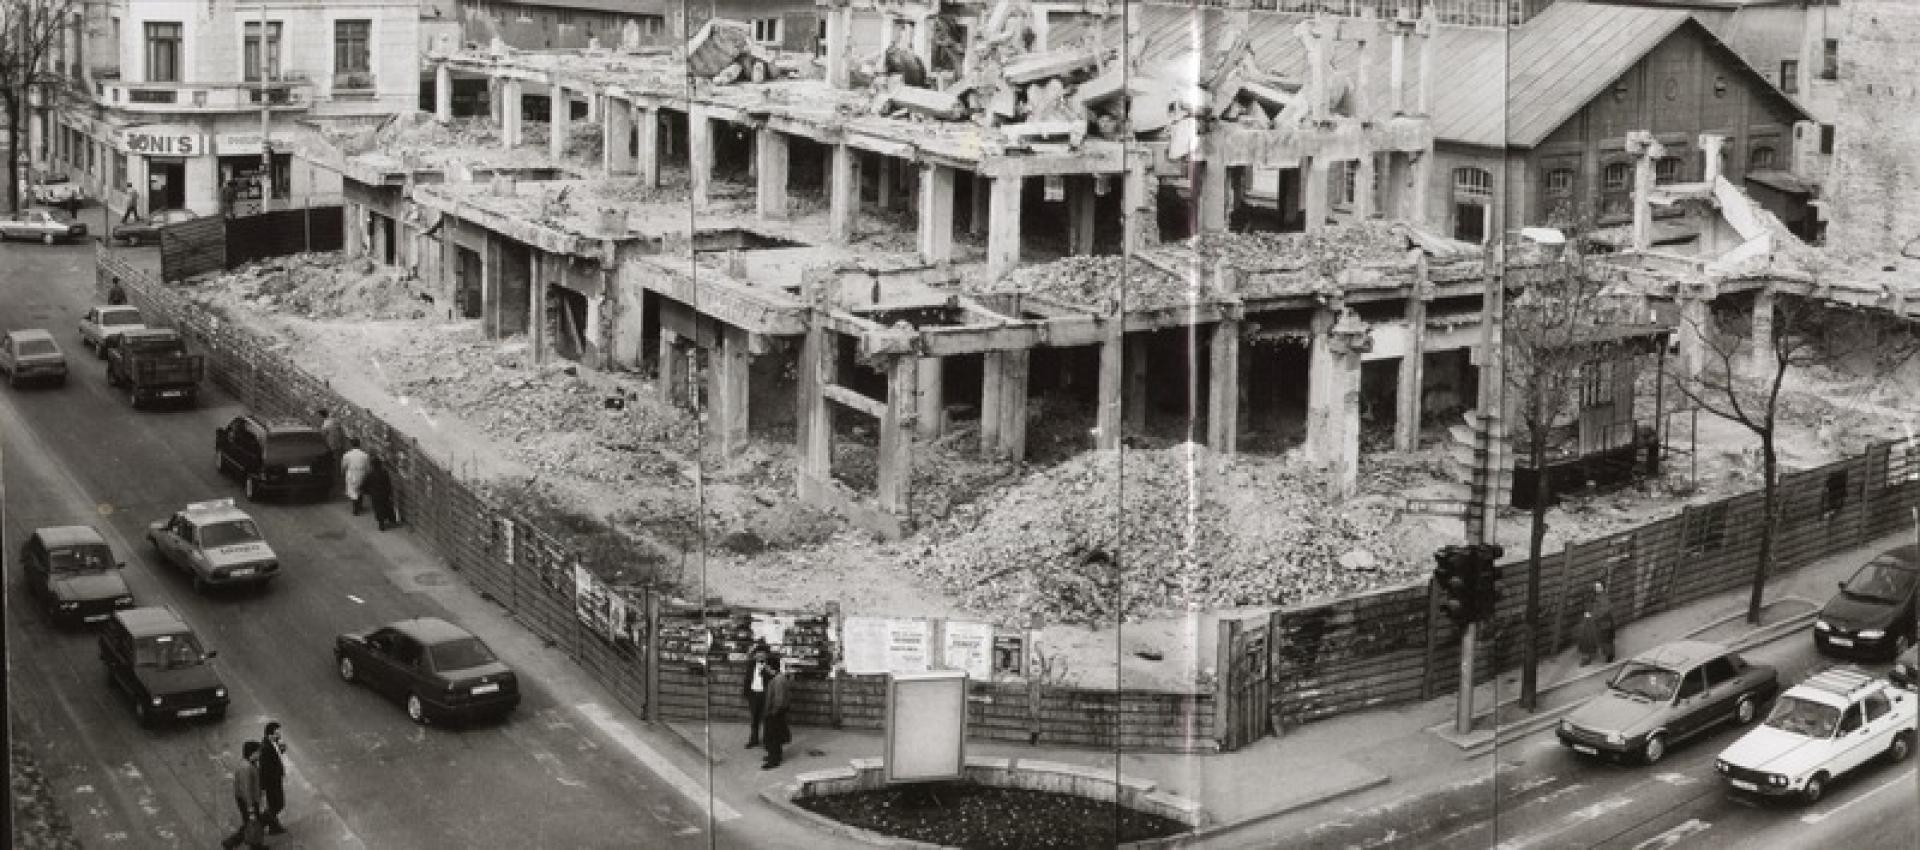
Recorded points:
(107, 321)
(215, 543)
(1819, 730)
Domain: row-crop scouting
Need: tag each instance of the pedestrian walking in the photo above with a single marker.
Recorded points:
(379, 490)
(133, 204)
(353, 471)
(754, 687)
(246, 796)
(116, 294)
(273, 777)
(1595, 633)
(776, 734)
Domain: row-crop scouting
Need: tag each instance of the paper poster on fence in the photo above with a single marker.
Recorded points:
(969, 647)
(881, 645)
(772, 628)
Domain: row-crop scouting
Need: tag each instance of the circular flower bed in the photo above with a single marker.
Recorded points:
(983, 817)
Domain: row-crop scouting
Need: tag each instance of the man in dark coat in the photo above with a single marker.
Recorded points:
(1595, 634)
(273, 777)
(776, 734)
(754, 687)
(379, 487)
(246, 795)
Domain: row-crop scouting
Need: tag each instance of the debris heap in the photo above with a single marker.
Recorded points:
(327, 286)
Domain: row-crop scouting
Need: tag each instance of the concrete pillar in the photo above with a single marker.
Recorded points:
(931, 408)
(1215, 193)
(893, 488)
(1107, 423)
(883, 198)
(1696, 321)
(843, 194)
(923, 41)
(537, 277)
(1413, 371)
(510, 109)
(700, 155)
(496, 100)
(727, 386)
(673, 368)
(992, 370)
(1711, 144)
(593, 106)
(1004, 399)
(1762, 358)
(1080, 216)
(814, 431)
(560, 119)
(839, 45)
(1314, 191)
(442, 92)
(1223, 388)
(936, 213)
(1419, 185)
(771, 153)
(1140, 211)
(647, 122)
(616, 143)
(1363, 187)
(1397, 72)
(1333, 405)
(1003, 227)
(629, 326)
(1135, 394)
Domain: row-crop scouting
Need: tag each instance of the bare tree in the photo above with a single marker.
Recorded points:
(1561, 333)
(32, 32)
(1803, 333)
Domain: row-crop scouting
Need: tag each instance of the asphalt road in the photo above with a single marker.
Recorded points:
(1537, 795)
(559, 773)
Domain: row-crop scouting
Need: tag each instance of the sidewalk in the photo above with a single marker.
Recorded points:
(1404, 750)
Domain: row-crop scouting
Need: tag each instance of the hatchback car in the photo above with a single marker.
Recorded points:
(41, 224)
(107, 321)
(1665, 695)
(156, 659)
(72, 572)
(32, 355)
(1821, 729)
(1872, 615)
(437, 669)
(216, 543)
(274, 456)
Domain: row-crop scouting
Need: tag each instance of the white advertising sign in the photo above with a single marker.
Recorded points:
(926, 727)
(160, 140)
(245, 144)
(882, 645)
(969, 648)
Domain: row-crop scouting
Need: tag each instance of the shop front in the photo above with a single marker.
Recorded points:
(240, 171)
(166, 162)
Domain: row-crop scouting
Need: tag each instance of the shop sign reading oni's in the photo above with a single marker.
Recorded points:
(164, 144)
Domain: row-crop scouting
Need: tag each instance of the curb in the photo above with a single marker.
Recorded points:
(1208, 834)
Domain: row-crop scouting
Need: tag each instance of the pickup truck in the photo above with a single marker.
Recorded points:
(153, 364)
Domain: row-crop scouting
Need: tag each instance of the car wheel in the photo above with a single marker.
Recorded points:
(141, 712)
(217, 715)
(1901, 747)
(253, 489)
(46, 239)
(416, 711)
(1744, 712)
(1816, 787)
(1655, 749)
(346, 669)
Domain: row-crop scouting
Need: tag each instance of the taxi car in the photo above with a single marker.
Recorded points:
(1665, 695)
(155, 658)
(44, 224)
(215, 543)
(1820, 730)
(72, 572)
(107, 321)
(1872, 615)
(32, 355)
(437, 669)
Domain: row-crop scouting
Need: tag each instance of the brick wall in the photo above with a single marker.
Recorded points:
(1874, 185)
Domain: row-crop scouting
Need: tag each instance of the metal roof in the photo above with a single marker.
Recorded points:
(1570, 53)
(635, 8)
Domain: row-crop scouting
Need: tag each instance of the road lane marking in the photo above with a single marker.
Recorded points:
(1572, 820)
(1675, 778)
(1674, 836)
(1817, 817)
(356, 600)
(715, 808)
(1529, 785)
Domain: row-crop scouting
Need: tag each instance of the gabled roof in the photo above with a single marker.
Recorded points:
(1567, 55)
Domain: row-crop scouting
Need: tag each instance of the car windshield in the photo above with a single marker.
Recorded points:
(1804, 717)
(79, 559)
(1645, 680)
(35, 347)
(460, 654)
(1883, 579)
(120, 317)
(217, 534)
(167, 652)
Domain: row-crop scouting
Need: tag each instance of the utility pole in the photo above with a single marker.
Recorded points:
(1484, 491)
(266, 117)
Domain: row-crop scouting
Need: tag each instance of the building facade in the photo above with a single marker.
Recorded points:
(167, 96)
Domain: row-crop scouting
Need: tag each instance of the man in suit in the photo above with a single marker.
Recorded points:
(273, 778)
(754, 687)
(777, 734)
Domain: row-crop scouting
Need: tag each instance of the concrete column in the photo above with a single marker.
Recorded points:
(1135, 394)
(1363, 187)
(843, 194)
(888, 172)
(442, 92)
(992, 370)
(496, 99)
(629, 326)
(510, 109)
(1003, 228)
(1413, 370)
(1314, 191)
(593, 106)
(1333, 405)
(560, 118)
(771, 153)
(1223, 388)
(1080, 212)
(1762, 359)
(839, 45)
(537, 307)
(673, 368)
(1140, 213)
(1696, 321)
(1107, 425)
(814, 431)
(893, 488)
(936, 213)
(727, 386)
(1013, 404)
(1215, 193)
(647, 122)
(923, 41)
(1419, 185)
(616, 142)
(931, 407)
(700, 155)
(1397, 72)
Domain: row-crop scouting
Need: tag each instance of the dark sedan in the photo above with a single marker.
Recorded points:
(1665, 695)
(1872, 615)
(437, 669)
(146, 231)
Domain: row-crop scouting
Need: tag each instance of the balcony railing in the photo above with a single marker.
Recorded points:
(203, 97)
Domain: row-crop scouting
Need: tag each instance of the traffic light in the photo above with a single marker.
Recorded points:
(1453, 576)
(1486, 579)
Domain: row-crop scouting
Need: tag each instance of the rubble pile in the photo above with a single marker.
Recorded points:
(1334, 247)
(1094, 282)
(329, 286)
(1191, 529)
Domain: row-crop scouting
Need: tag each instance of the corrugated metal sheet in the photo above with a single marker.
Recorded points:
(1569, 54)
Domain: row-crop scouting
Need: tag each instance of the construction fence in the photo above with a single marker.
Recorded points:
(215, 243)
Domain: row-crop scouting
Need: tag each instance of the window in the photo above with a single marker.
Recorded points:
(1876, 705)
(1692, 686)
(1344, 184)
(1618, 177)
(1833, 497)
(1790, 76)
(1760, 158)
(766, 30)
(350, 56)
(1850, 723)
(1706, 527)
(1560, 182)
(163, 53)
(1667, 170)
(252, 51)
(1473, 184)
(1830, 59)
(1720, 670)
(1826, 138)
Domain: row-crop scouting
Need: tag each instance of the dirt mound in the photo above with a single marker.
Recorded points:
(327, 286)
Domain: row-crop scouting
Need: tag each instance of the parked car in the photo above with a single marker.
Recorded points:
(216, 544)
(72, 572)
(274, 456)
(147, 230)
(1818, 731)
(1666, 695)
(32, 355)
(439, 670)
(1872, 615)
(106, 321)
(46, 224)
(156, 659)
(57, 190)
(152, 364)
